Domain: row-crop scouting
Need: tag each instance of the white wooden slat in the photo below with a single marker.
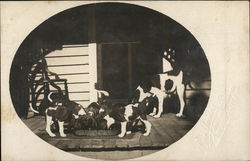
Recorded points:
(70, 51)
(79, 96)
(67, 60)
(72, 96)
(78, 87)
(74, 45)
(71, 78)
(73, 87)
(76, 78)
(70, 69)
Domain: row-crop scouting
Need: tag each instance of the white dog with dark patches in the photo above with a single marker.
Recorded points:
(62, 113)
(126, 113)
(161, 88)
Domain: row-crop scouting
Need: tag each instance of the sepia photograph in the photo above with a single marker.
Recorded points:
(110, 81)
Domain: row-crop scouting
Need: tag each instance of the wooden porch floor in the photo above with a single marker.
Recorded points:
(165, 131)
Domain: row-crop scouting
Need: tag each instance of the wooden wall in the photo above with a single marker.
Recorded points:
(72, 63)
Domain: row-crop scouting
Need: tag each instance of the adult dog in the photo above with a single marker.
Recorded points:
(124, 114)
(62, 112)
(161, 86)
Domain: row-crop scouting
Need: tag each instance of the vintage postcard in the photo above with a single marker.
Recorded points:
(120, 80)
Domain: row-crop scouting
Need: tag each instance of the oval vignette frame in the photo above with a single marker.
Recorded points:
(141, 42)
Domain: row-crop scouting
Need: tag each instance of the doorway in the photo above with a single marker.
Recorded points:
(116, 69)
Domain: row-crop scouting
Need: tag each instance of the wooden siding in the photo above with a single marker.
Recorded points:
(72, 63)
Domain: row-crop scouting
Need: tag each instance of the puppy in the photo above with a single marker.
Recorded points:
(161, 86)
(62, 112)
(126, 113)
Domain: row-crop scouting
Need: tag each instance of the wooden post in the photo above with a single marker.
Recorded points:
(92, 71)
(92, 49)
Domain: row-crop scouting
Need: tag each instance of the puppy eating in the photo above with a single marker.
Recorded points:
(124, 114)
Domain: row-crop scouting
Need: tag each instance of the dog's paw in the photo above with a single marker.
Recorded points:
(152, 114)
(63, 135)
(157, 116)
(52, 135)
(121, 135)
(146, 134)
(178, 114)
(128, 132)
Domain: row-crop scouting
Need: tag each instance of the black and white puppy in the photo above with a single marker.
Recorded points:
(62, 112)
(126, 113)
(161, 86)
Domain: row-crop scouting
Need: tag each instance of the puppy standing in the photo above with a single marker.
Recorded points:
(62, 113)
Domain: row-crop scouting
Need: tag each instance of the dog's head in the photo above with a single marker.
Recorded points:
(141, 93)
(76, 109)
(105, 109)
(93, 109)
(79, 110)
(55, 98)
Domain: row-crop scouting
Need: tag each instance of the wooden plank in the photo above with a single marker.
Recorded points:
(145, 140)
(69, 69)
(86, 143)
(28, 121)
(78, 87)
(74, 45)
(67, 60)
(33, 124)
(70, 51)
(161, 127)
(63, 144)
(171, 131)
(52, 142)
(76, 78)
(135, 141)
(74, 144)
(121, 143)
(79, 96)
(66, 56)
(108, 143)
(40, 128)
(158, 138)
(37, 123)
(183, 126)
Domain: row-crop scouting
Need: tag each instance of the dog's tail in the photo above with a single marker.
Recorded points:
(35, 111)
(49, 98)
(100, 92)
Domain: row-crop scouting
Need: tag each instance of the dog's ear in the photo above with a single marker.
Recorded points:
(136, 105)
(146, 85)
